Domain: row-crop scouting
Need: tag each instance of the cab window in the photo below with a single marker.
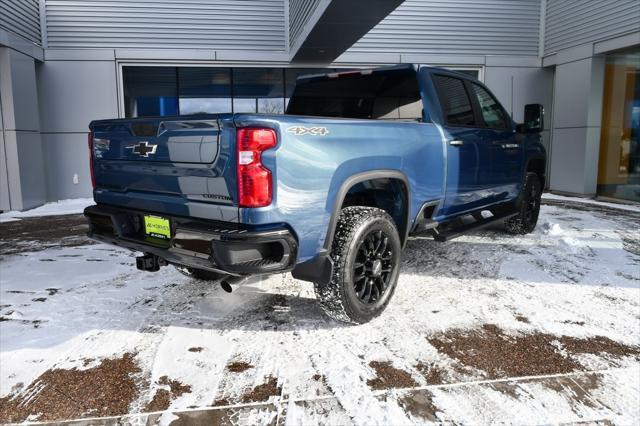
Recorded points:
(454, 99)
(494, 116)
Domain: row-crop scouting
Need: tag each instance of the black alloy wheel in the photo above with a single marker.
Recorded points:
(366, 255)
(372, 268)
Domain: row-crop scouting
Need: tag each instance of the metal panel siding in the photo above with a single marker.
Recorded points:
(199, 24)
(299, 13)
(21, 17)
(571, 23)
(488, 27)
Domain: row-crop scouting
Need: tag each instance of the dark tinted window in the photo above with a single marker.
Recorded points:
(454, 100)
(150, 91)
(493, 114)
(385, 95)
(204, 90)
(291, 74)
(258, 90)
(154, 91)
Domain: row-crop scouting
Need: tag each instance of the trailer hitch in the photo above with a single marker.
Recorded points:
(150, 262)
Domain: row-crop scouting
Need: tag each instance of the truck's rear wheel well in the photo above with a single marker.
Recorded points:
(388, 194)
(537, 166)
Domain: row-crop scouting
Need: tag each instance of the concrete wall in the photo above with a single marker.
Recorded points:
(5, 203)
(72, 93)
(22, 145)
(578, 92)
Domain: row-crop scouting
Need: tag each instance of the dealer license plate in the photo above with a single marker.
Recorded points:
(157, 227)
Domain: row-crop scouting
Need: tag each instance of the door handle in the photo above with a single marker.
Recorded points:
(456, 142)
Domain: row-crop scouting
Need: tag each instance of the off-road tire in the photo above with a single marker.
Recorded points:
(358, 229)
(528, 207)
(199, 274)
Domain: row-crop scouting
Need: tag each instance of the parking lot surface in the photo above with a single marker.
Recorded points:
(487, 328)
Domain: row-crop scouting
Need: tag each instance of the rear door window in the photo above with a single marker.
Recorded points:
(454, 99)
(494, 116)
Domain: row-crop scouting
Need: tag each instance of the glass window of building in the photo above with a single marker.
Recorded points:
(150, 91)
(619, 165)
(204, 90)
(258, 90)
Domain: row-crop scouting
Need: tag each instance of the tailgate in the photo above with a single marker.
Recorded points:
(170, 160)
(173, 141)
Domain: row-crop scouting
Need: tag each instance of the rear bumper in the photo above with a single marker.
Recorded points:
(222, 247)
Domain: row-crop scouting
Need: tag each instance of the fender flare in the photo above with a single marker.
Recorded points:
(362, 177)
(320, 268)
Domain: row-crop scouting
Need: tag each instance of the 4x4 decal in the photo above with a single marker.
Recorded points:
(301, 130)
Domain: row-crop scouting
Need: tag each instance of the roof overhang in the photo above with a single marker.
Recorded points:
(336, 25)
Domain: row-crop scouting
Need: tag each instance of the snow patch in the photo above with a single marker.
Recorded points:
(71, 206)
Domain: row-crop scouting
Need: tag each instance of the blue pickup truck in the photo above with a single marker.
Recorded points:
(329, 191)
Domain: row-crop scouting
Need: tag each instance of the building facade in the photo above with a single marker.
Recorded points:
(64, 63)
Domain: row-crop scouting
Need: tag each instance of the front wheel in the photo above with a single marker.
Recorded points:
(529, 208)
(366, 254)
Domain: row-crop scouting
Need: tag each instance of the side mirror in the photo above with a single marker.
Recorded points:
(533, 119)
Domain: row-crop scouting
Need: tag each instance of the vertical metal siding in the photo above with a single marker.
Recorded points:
(299, 13)
(571, 23)
(488, 27)
(209, 24)
(21, 17)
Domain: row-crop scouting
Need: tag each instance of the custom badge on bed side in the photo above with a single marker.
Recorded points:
(314, 131)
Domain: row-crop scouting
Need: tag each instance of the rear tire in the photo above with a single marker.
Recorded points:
(199, 274)
(366, 254)
(529, 207)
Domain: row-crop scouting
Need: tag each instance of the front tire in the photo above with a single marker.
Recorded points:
(366, 254)
(529, 208)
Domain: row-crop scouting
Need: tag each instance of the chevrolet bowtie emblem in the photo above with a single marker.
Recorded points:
(143, 149)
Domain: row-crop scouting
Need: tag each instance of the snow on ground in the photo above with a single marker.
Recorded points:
(71, 206)
(576, 277)
(629, 206)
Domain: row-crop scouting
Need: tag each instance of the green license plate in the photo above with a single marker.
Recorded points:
(157, 227)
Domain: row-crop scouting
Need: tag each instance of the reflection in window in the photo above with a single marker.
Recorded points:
(454, 100)
(162, 91)
(392, 95)
(204, 90)
(244, 105)
(258, 90)
(492, 113)
(150, 91)
(291, 74)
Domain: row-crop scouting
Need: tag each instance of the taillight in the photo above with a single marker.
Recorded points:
(255, 186)
(91, 166)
